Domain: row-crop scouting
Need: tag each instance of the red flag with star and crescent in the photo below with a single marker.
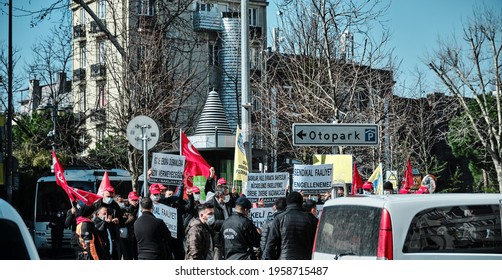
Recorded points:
(195, 164)
(73, 194)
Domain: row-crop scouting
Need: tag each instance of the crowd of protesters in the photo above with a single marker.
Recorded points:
(219, 228)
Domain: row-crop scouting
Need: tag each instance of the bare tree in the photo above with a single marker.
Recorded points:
(471, 69)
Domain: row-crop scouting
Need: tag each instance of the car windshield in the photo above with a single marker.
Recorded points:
(349, 230)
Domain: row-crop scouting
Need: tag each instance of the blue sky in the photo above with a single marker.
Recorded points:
(415, 26)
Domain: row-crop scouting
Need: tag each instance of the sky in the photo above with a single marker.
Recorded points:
(415, 26)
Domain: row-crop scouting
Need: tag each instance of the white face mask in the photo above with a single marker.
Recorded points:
(210, 220)
(386, 192)
(196, 196)
(107, 200)
(227, 198)
(155, 197)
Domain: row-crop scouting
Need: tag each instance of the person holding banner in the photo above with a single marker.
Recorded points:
(240, 236)
(151, 233)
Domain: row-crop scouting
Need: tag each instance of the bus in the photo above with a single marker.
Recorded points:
(52, 202)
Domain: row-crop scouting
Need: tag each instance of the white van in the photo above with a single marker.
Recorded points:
(16, 242)
(410, 227)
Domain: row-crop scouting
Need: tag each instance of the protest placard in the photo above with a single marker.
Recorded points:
(167, 169)
(267, 186)
(312, 179)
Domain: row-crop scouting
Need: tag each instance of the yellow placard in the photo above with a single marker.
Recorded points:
(342, 166)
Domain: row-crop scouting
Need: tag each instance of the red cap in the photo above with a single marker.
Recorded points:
(195, 190)
(368, 186)
(109, 189)
(222, 181)
(404, 191)
(154, 189)
(162, 187)
(423, 189)
(133, 196)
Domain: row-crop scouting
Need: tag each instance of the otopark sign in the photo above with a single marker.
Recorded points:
(335, 134)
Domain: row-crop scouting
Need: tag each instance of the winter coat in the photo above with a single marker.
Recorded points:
(239, 236)
(153, 236)
(292, 231)
(265, 229)
(199, 241)
(90, 244)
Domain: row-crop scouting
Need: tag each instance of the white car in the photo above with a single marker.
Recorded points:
(410, 227)
(16, 242)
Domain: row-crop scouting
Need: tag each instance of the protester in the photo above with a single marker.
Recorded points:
(192, 212)
(223, 205)
(278, 207)
(210, 182)
(310, 207)
(240, 236)
(130, 215)
(199, 237)
(291, 231)
(71, 221)
(388, 188)
(90, 247)
(151, 233)
(103, 225)
(176, 201)
(114, 220)
(368, 188)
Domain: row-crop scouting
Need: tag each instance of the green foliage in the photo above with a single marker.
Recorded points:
(111, 152)
(455, 183)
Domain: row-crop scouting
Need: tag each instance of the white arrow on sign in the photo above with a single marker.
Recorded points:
(327, 134)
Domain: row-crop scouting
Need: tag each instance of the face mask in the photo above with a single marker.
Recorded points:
(210, 220)
(155, 197)
(366, 192)
(103, 217)
(196, 197)
(313, 198)
(227, 198)
(107, 200)
(386, 192)
(122, 206)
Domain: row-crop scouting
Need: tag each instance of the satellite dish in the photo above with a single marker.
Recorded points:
(142, 127)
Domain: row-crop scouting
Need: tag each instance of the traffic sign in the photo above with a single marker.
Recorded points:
(335, 134)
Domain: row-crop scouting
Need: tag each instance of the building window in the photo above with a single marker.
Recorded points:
(101, 9)
(101, 52)
(254, 59)
(83, 100)
(101, 97)
(83, 16)
(83, 56)
(213, 54)
(253, 17)
(146, 7)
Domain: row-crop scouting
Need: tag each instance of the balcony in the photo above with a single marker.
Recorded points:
(79, 75)
(96, 30)
(98, 116)
(79, 32)
(146, 23)
(98, 71)
(204, 22)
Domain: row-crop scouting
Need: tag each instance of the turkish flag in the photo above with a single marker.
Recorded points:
(357, 181)
(61, 181)
(91, 197)
(195, 164)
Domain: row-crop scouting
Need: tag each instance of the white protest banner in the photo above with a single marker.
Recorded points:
(167, 169)
(169, 215)
(268, 186)
(312, 179)
(261, 215)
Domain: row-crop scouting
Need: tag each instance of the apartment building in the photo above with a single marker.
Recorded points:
(132, 54)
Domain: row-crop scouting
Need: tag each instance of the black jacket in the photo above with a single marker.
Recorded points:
(292, 231)
(219, 218)
(239, 236)
(265, 229)
(153, 236)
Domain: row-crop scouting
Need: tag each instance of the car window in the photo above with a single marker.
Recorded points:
(347, 229)
(458, 229)
(12, 246)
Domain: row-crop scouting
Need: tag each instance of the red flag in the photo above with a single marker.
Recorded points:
(91, 197)
(105, 184)
(61, 181)
(195, 164)
(408, 177)
(357, 181)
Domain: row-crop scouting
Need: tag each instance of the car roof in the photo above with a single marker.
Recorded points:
(429, 200)
(7, 212)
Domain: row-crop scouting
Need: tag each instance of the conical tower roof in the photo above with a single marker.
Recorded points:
(213, 115)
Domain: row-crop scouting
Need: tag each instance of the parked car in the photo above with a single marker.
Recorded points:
(16, 242)
(408, 227)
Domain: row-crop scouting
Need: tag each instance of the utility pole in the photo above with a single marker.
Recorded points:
(245, 102)
(10, 113)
